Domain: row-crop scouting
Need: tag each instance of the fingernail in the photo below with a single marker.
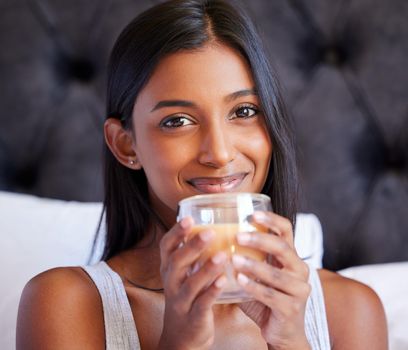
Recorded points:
(259, 215)
(242, 279)
(219, 258)
(221, 281)
(207, 235)
(195, 268)
(186, 222)
(243, 238)
(238, 261)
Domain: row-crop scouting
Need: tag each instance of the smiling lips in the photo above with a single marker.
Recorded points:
(217, 184)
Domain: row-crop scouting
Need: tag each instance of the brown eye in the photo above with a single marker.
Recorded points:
(246, 112)
(175, 122)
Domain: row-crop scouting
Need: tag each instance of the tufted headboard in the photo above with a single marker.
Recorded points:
(342, 67)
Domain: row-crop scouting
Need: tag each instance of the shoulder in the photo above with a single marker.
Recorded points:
(59, 308)
(355, 313)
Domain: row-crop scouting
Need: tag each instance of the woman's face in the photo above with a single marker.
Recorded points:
(198, 128)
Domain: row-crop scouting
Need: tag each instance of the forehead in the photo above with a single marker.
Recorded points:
(211, 71)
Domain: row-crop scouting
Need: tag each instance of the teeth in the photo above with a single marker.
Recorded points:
(205, 185)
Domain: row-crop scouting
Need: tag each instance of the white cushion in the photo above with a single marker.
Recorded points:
(390, 281)
(309, 239)
(38, 234)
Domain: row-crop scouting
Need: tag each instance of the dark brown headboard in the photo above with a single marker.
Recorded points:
(343, 69)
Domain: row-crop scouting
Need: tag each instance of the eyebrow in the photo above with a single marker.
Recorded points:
(173, 103)
(241, 93)
(185, 103)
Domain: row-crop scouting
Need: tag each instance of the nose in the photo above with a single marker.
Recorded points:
(217, 147)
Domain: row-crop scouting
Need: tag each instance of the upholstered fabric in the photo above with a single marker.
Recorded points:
(342, 68)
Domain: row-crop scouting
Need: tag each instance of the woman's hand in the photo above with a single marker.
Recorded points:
(280, 288)
(188, 316)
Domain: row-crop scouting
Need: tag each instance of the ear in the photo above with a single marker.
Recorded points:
(121, 143)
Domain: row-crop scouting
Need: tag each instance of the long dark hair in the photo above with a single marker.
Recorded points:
(161, 30)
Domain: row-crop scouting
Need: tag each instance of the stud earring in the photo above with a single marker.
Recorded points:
(132, 162)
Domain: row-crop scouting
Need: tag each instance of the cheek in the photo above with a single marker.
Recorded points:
(162, 166)
(259, 150)
(163, 159)
(260, 147)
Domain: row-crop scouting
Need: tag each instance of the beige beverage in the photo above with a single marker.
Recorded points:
(227, 214)
(225, 240)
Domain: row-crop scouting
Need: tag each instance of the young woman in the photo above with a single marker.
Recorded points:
(192, 108)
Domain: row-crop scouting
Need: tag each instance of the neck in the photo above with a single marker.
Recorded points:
(141, 264)
(164, 213)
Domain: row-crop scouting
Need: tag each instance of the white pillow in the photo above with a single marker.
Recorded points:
(35, 235)
(38, 234)
(309, 239)
(390, 281)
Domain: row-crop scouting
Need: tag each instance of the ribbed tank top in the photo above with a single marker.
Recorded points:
(120, 327)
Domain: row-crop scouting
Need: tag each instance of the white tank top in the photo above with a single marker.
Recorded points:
(120, 327)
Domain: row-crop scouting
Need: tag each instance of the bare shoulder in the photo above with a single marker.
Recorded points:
(355, 313)
(60, 309)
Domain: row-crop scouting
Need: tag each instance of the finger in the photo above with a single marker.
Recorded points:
(208, 297)
(280, 303)
(272, 276)
(191, 250)
(200, 281)
(172, 239)
(181, 260)
(277, 247)
(276, 224)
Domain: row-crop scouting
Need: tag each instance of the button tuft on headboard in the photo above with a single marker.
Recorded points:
(26, 178)
(334, 55)
(396, 160)
(77, 68)
(82, 69)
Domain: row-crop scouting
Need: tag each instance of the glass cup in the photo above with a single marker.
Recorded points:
(226, 214)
